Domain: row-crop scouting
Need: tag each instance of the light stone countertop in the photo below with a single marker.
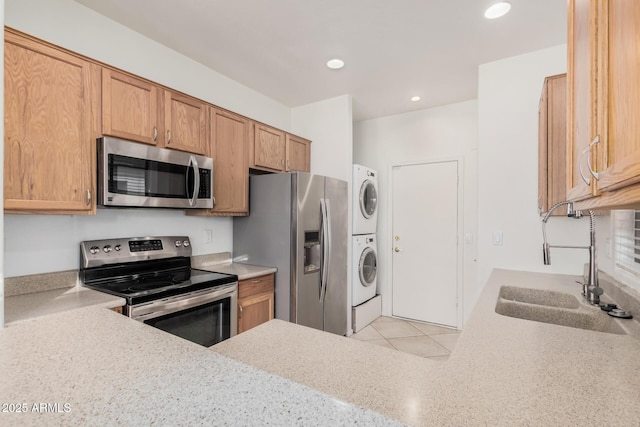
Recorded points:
(243, 271)
(92, 366)
(503, 371)
(19, 308)
(222, 263)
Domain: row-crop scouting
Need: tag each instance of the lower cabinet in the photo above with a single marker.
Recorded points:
(255, 301)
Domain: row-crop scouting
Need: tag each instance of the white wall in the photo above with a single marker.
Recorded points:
(508, 97)
(412, 137)
(46, 243)
(75, 27)
(329, 125)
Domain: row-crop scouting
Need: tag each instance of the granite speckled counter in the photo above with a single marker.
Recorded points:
(222, 263)
(19, 308)
(92, 366)
(37, 295)
(503, 371)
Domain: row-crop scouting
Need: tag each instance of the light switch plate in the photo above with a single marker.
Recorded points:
(497, 238)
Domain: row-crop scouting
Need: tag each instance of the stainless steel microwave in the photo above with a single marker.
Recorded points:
(138, 175)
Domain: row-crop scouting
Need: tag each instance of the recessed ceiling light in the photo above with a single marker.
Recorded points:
(497, 10)
(415, 98)
(335, 64)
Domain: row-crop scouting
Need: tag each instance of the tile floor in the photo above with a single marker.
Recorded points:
(421, 339)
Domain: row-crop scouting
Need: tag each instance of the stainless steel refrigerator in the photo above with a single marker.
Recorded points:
(298, 223)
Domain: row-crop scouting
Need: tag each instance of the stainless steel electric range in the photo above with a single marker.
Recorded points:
(155, 277)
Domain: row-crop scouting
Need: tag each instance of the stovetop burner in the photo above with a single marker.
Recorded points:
(147, 287)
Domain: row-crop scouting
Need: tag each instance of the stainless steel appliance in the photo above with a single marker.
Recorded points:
(155, 277)
(140, 175)
(298, 223)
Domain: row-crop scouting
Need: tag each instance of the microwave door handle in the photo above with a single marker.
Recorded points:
(193, 163)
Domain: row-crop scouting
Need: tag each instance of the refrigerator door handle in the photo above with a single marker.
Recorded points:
(326, 244)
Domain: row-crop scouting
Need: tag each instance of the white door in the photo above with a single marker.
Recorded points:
(425, 242)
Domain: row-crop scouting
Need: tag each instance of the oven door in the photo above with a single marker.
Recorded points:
(204, 317)
(132, 174)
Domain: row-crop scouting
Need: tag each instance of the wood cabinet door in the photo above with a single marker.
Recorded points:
(298, 153)
(129, 107)
(619, 77)
(48, 141)
(185, 121)
(552, 135)
(581, 68)
(229, 149)
(268, 148)
(255, 310)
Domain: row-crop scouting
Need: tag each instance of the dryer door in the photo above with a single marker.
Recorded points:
(367, 267)
(368, 198)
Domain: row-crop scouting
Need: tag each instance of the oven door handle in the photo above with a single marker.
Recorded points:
(190, 300)
(193, 164)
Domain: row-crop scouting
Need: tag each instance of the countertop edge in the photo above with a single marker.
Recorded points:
(27, 307)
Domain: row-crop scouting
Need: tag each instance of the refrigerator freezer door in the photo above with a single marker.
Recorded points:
(306, 303)
(335, 301)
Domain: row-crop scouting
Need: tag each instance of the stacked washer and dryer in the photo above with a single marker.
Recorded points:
(366, 306)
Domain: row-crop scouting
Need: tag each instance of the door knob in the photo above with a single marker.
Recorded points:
(397, 249)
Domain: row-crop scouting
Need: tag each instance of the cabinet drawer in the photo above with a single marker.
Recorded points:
(255, 285)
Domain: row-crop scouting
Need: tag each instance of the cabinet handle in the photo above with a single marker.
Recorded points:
(155, 134)
(256, 281)
(240, 310)
(169, 137)
(88, 198)
(584, 178)
(288, 165)
(595, 174)
(214, 200)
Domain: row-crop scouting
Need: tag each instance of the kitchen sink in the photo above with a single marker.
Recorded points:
(554, 307)
(539, 297)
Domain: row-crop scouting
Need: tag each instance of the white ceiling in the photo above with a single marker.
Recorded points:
(393, 49)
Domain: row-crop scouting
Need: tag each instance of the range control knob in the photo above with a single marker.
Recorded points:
(107, 249)
(178, 243)
(94, 250)
(186, 243)
(117, 248)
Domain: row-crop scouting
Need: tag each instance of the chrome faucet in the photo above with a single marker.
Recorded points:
(591, 290)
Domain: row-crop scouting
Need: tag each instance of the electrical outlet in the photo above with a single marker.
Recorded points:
(208, 235)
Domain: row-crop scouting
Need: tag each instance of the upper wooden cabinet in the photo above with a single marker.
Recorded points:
(269, 148)
(49, 125)
(298, 153)
(618, 117)
(552, 144)
(185, 123)
(277, 151)
(130, 107)
(581, 92)
(138, 110)
(604, 90)
(229, 148)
